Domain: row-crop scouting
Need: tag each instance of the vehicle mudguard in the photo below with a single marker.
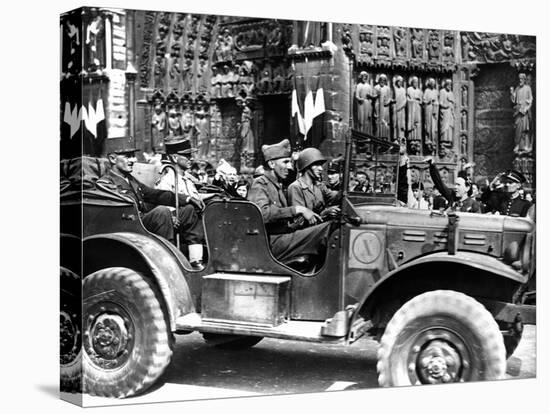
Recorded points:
(146, 255)
(469, 259)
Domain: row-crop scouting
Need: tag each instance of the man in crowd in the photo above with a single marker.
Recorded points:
(309, 190)
(459, 199)
(153, 203)
(267, 193)
(333, 175)
(513, 204)
(363, 183)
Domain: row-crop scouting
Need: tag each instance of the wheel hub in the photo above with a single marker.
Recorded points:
(438, 356)
(109, 338)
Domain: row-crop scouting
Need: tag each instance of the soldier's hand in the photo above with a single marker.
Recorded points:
(309, 216)
(429, 160)
(197, 203)
(176, 223)
(331, 212)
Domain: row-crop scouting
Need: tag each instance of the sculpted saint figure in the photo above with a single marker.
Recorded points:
(522, 98)
(364, 95)
(446, 113)
(383, 93)
(431, 111)
(414, 110)
(158, 127)
(400, 105)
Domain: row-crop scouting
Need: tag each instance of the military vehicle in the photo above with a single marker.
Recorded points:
(442, 292)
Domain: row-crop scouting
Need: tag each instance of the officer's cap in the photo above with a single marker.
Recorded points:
(179, 146)
(515, 176)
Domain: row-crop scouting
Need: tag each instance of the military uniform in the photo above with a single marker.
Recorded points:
(315, 197)
(152, 204)
(286, 242)
(516, 206)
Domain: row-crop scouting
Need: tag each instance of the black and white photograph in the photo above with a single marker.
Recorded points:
(267, 206)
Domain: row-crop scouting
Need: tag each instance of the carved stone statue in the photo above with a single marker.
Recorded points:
(399, 109)
(95, 42)
(246, 133)
(446, 114)
(384, 100)
(227, 83)
(364, 95)
(174, 124)
(522, 98)
(431, 111)
(215, 83)
(203, 132)
(414, 110)
(158, 128)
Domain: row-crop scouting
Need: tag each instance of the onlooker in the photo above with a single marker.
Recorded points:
(459, 199)
(242, 189)
(363, 183)
(513, 205)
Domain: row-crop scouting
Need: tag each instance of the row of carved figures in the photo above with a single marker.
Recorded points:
(247, 79)
(407, 113)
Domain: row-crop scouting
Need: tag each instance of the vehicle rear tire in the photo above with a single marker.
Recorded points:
(70, 332)
(232, 342)
(439, 337)
(126, 340)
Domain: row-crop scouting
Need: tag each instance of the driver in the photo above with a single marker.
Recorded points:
(309, 190)
(267, 193)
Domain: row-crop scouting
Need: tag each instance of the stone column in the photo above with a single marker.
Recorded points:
(131, 75)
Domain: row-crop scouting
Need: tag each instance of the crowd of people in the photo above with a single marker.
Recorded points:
(297, 204)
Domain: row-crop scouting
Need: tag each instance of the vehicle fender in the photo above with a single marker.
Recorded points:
(469, 259)
(146, 255)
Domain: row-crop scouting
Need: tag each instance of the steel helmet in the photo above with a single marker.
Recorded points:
(307, 157)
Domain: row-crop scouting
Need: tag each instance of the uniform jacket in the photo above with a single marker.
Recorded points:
(267, 193)
(145, 197)
(315, 197)
(515, 207)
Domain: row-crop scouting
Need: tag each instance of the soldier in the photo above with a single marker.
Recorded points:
(267, 193)
(153, 204)
(309, 190)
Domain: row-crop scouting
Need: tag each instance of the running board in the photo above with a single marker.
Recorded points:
(295, 330)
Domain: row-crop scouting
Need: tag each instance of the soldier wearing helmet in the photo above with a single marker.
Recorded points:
(287, 242)
(309, 190)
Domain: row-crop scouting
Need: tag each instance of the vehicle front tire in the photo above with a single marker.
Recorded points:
(231, 342)
(70, 332)
(126, 340)
(441, 337)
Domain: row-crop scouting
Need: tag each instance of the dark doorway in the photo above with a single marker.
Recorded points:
(276, 119)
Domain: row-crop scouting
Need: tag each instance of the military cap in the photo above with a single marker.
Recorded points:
(275, 151)
(129, 152)
(335, 166)
(179, 146)
(515, 176)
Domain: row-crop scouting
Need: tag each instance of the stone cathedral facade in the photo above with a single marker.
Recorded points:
(226, 83)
